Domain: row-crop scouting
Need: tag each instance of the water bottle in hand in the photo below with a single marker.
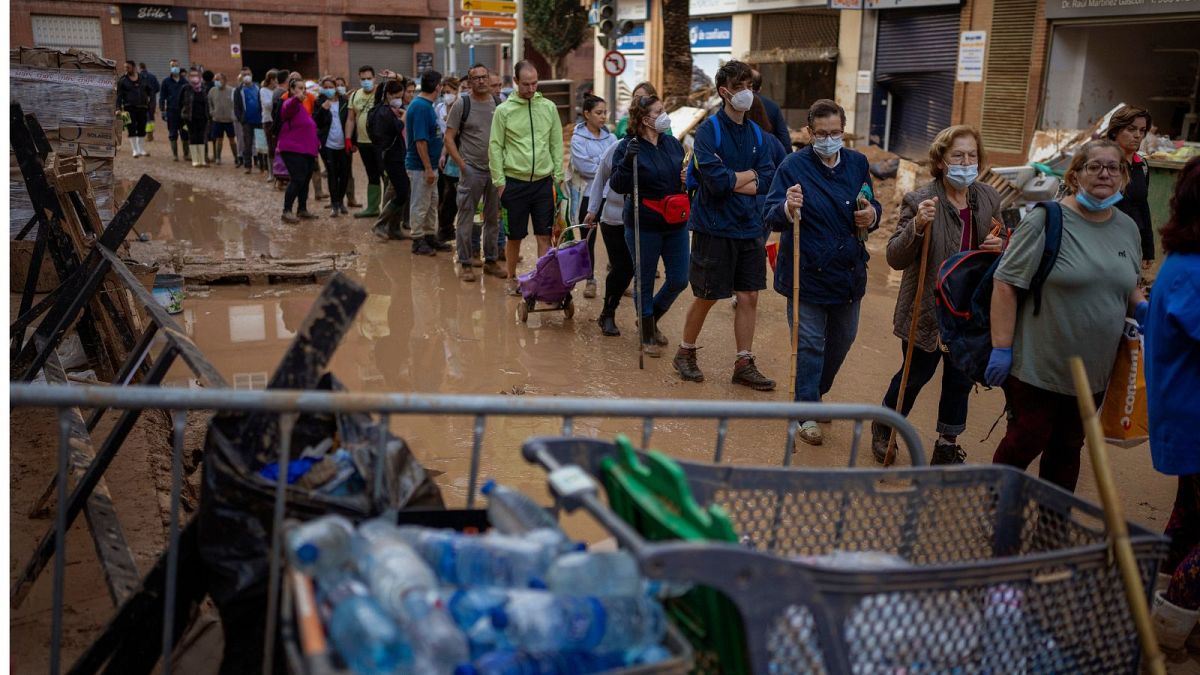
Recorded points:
(538, 621)
(320, 546)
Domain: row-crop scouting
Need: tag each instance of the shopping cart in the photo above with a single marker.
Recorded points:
(555, 275)
(998, 572)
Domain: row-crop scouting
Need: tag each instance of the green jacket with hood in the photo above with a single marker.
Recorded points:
(527, 141)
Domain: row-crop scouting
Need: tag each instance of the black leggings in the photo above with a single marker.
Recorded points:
(370, 161)
(137, 121)
(398, 177)
(337, 173)
(300, 168)
(621, 273)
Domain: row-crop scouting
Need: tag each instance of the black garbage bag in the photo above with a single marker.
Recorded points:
(237, 506)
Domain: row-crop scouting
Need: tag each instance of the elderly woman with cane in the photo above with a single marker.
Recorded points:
(952, 213)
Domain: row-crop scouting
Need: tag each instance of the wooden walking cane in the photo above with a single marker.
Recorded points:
(795, 300)
(1114, 518)
(890, 457)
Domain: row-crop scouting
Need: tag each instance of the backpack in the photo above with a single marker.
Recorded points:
(277, 116)
(692, 183)
(466, 109)
(964, 297)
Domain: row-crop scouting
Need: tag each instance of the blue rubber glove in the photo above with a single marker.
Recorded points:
(998, 366)
(1140, 314)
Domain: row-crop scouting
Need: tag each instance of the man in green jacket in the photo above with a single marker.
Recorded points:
(525, 156)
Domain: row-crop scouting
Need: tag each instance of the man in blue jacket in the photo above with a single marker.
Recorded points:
(728, 258)
(830, 188)
(168, 103)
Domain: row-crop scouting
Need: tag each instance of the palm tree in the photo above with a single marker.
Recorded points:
(676, 53)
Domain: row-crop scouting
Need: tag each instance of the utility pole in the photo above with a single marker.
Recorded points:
(451, 57)
(518, 53)
(612, 84)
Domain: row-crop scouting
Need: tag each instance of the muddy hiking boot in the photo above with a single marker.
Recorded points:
(945, 452)
(422, 247)
(490, 267)
(685, 363)
(879, 441)
(650, 346)
(436, 244)
(746, 373)
(467, 274)
(288, 217)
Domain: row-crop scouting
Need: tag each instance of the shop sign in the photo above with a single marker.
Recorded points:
(772, 5)
(634, 40)
(972, 48)
(711, 34)
(708, 7)
(370, 31)
(633, 10)
(904, 4)
(153, 13)
(862, 83)
(1080, 9)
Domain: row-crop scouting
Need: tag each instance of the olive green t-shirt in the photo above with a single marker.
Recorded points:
(362, 101)
(1084, 299)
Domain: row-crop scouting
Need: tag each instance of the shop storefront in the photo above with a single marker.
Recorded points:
(797, 53)
(712, 43)
(265, 47)
(155, 34)
(381, 45)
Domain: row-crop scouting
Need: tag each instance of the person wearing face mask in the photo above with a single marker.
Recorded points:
(343, 91)
(266, 99)
(169, 93)
(299, 146)
(220, 111)
(331, 113)
(1089, 291)
(588, 143)
(663, 225)
(733, 166)
(1128, 127)
(247, 108)
(448, 174)
(360, 104)
(956, 213)
(193, 111)
(823, 183)
(135, 97)
(387, 135)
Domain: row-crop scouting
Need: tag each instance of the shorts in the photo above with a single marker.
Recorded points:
(722, 266)
(216, 129)
(525, 201)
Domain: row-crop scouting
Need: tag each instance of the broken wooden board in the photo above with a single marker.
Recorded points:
(259, 271)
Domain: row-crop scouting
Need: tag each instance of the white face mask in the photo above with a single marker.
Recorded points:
(742, 100)
(662, 123)
(397, 102)
(247, 79)
(448, 98)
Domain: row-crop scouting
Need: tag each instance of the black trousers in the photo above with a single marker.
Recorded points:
(137, 121)
(621, 274)
(300, 168)
(370, 162)
(447, 207)
(337, 172)
(398, 178)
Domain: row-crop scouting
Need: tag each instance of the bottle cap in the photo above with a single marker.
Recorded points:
(536, 582)
(307, 553)
(465, 669)
(499, 618)
(488, 487)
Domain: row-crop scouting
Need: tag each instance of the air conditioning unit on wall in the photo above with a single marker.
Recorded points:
(218, 20)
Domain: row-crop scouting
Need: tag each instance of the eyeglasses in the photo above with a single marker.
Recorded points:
(478, 77)
(823, 135)
(1095, 168)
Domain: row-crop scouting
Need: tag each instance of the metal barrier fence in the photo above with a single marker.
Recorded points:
(288, 404)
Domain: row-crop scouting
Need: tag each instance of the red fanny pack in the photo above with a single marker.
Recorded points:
(675, 209)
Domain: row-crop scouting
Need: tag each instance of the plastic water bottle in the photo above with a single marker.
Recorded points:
(468, 606)
(1007, 639)
(501, 560)
(510, 662)
(439, 644)
(538, 621)
(601, 573)
(437, 547)
(320, 546)
(391, 568)
(366, 637)
(513, 512)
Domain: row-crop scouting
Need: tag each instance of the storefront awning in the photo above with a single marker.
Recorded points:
(793, 55)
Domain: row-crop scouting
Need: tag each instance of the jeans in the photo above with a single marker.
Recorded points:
(337, 172)
(247, 143)
(1045, 423)
(300, 168)
(956, 389)
(474, 185)
(826, 334)
(672, 247)
(422, 205)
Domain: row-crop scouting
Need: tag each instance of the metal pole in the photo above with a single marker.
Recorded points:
(612, 86)
(451, 57)
(519, 35)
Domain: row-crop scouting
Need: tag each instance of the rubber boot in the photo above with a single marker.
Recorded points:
(350, 200)
(607, 319)
(1172, 624)
(175, 150)
(659, 338)
(372, 209)
(218, 146)
(649, 345)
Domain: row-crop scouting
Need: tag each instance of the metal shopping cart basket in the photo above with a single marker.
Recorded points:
(999, 571)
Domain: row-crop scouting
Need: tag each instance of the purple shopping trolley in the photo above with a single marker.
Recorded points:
(556, 273)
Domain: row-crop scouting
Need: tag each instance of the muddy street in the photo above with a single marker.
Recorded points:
(423, 330)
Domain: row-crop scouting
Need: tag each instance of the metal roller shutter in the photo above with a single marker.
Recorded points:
(65, 32)
(916, 55)
(380, 55)
(155, 43)
(1010, 47)
(806, 35)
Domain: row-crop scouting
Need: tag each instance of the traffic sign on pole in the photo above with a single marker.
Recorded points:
(614, 63)
(483, 22)
(496, 6)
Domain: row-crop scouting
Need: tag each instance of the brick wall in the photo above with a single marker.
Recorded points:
(21, 23)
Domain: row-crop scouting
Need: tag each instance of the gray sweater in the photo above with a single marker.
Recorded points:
(220, 104)
(614, 203)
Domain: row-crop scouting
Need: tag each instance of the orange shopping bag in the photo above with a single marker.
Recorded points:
(1123, 414)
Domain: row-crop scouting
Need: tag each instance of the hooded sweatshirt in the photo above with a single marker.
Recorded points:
(586, 151)
(526, 142)
(599, 192)
(298, 132)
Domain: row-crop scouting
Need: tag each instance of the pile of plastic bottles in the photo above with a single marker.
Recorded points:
(522, 599)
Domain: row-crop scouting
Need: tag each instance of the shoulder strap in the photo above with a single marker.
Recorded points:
(716, 132)
(1054, 229)
(466, 110)
(757, 132)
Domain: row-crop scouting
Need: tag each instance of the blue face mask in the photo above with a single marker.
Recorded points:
(327, 93)
(367, 85)
(1092, 204)
(827, 147)
(218, 84)
(174, 70)
(341, 90)
(962, 176)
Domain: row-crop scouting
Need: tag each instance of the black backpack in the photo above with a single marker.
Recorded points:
(964, 296)
(277, 116)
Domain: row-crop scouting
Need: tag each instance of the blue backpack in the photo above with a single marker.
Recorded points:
(964, 297)
(693, 182)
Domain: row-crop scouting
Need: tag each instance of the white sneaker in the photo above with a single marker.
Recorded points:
(810, 433)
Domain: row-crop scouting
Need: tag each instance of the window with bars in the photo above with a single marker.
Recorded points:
(1006, 76)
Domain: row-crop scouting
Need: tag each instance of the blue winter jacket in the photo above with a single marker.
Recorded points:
(716, 208)
(169, 91)
(833, 262)
(1173, 365)
(659, 167)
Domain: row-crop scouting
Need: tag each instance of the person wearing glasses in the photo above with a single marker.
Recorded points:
(829, 187)
(955, 211)
(1085, 299)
